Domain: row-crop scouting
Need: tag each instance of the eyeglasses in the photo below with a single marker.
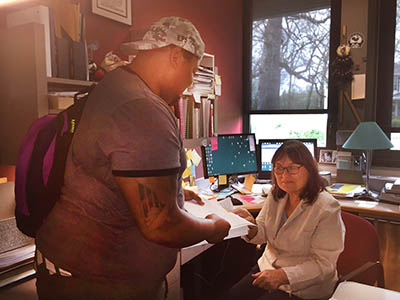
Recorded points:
(292, 170)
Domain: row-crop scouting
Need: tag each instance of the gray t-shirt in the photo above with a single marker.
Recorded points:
(90, 232)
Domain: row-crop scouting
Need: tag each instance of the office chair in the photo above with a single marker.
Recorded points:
(360, 260)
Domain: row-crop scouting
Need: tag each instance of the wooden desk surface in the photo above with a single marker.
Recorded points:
(382, 210)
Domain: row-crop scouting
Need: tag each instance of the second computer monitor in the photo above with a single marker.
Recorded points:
(267, 150)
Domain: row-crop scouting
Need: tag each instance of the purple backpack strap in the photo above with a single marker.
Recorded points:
(24, 157)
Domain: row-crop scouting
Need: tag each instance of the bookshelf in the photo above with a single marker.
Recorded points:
(198, 107)
(24, 85)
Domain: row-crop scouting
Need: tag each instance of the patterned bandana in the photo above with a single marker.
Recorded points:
(169, 30)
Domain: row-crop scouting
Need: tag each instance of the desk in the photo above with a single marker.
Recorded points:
(174, 276)
(357, 291)
(375, 210)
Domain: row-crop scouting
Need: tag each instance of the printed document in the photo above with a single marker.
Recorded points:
(239, 226)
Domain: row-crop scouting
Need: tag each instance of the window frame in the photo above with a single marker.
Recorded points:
(380, 51)
(332, 92)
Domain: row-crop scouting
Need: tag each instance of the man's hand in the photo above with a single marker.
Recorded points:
(244, 213)
(190, 195)
(221, 229)
(270, 279)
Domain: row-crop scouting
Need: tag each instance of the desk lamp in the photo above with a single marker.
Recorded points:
(368, 136)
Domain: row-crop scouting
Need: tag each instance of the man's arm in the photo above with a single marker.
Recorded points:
(152, 201)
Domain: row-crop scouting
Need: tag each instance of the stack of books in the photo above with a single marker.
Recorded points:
(391, 192)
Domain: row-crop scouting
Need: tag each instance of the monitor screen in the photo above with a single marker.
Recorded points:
(267, 151)
(230, 154)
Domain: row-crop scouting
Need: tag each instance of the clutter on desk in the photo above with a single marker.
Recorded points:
(193, 159)
(265, 189)
(349, 168)
(253, 199)
(345, 190)
(391, 192)
(249, 181)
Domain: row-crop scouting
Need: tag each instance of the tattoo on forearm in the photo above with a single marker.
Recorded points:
(149, 200)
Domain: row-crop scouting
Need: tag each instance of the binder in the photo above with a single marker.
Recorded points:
(42, 15)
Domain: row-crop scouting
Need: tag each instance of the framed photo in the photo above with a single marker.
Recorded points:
(327, 156)
(118, 10)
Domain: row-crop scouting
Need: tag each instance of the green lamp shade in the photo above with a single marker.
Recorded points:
(368, 136)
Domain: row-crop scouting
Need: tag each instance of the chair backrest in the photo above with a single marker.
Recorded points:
(361, 246)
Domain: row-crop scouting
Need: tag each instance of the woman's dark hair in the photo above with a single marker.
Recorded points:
(299, 154)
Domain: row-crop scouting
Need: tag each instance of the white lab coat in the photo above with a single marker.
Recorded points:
(307, 245)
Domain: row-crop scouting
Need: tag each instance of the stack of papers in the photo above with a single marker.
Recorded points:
(239, 226)
(16, 256)
(345, 189)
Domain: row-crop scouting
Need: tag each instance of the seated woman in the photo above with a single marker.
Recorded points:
(303, 229)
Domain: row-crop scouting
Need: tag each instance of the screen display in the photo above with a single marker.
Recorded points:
(268, 148)
(230, 154)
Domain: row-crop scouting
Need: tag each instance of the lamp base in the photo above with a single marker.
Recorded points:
(367, 195)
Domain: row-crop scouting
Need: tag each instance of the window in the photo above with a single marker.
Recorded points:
(289, 70)
(385, 87)
(396, 73)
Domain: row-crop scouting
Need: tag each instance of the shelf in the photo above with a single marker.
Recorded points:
(67, 84)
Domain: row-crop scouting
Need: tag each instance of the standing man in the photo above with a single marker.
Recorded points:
(116, 230)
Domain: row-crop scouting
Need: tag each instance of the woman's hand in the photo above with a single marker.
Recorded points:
(190, 195)
(270, 279)
(245, 214)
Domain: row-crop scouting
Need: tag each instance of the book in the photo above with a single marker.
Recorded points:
(239, 226)
(42, 15)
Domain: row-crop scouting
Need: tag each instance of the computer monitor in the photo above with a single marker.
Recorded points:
(230, 154)
(267, 148)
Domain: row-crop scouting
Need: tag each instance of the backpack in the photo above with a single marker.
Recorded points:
(39, 173)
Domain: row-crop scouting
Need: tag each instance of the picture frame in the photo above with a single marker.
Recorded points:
(327, 156)
(120, 11)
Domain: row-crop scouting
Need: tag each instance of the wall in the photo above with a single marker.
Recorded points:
(220, 24)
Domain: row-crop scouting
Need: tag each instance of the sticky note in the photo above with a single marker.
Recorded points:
(222, 179)
(188, 163)
(252, 144)
(211, 179)
(248, 182)
(218, 80)
(247, 198)
(196, 158)
(187, 173)
(214, 143)
(197, 97)
(193, 170)
(189, 154)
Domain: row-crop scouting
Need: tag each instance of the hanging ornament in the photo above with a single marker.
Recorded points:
(342, 66)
